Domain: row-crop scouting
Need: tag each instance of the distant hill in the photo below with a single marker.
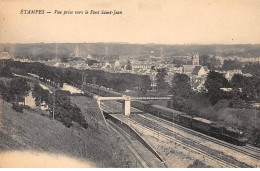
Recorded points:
(102, 50)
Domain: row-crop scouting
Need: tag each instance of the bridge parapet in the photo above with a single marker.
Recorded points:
(151, 98)
(126, 106)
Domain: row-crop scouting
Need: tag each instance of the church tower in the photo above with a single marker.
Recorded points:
(195, 59)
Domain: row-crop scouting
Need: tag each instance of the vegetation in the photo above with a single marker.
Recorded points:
(17, 108)
(214, 82)
(162, 85)
(64, 110)
(210, 62)
(41, 95)
(231, 108)
(6, 72)
(91, 62)
(64, 59)
(116, 81)
(181, 91)
(231, 65)
(14, 89)
(128, 65)
(252, 68)
(33, 132)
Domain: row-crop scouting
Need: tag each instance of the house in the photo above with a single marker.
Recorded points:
(187, 69)
(200, 71)
(143, 66)
(117, 64)
(198, 83)
(5, 55)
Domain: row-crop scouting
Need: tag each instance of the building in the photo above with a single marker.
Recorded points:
(5, 55)
(142, 66)
(187, 69)
(200, 71)
(195, 59)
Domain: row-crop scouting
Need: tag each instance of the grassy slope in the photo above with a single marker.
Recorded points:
(31, 131)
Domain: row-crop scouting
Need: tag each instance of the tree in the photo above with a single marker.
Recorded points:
(231, 65)
(19, 87)
(91, 62)
(238, 81)
(213, 83)
(128, 65)
(160, 79)
(40, 94)
(181, 92)
(210, 62)
(204, 60)
(66, 112)
(6, 72)
(248, 85)
(65, 59)
(181, 85)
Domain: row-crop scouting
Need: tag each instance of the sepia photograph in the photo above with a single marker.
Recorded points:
(129, 84)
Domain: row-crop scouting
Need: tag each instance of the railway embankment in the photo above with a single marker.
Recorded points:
(36, 138)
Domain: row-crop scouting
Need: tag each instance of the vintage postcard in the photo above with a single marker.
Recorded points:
(129, 84)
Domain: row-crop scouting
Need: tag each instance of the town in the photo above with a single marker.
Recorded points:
(196, 66)
(158, 98)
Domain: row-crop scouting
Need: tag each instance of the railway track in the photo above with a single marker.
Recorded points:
(246, 150)
(224, 163)
(129, 145)
(252, 148)
(147, 162)
(203, 153)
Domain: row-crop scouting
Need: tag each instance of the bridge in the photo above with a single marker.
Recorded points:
(126, 105)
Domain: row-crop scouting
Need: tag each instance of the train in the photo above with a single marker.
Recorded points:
(222, 132)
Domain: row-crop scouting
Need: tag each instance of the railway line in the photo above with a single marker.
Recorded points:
(252, 148)
(129, 145)
(248, 150)
(143, 155)
(214, 158)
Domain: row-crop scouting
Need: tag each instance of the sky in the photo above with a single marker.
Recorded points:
(141, 21)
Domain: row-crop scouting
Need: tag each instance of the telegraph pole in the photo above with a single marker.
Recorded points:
(53, 105)
(54, 96)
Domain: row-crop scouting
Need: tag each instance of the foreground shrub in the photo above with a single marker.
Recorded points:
(17, 108)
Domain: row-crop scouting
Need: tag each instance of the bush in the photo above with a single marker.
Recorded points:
(85, 125)
(221, 104)
(66, 121)
(237, 103)
(27, 107)
(17, 108)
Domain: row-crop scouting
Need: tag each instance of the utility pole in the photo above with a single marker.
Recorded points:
(255, 119)
(53, 105)
(97, 121)
(83, 80)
